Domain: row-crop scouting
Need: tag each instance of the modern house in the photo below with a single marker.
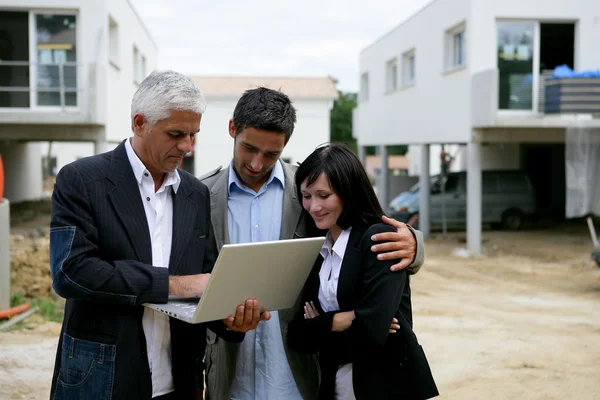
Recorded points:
(477, 74)
(312, 98)
(68, 70)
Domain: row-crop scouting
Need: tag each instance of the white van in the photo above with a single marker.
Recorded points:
(507, 198)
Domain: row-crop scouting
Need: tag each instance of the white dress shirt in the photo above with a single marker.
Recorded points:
(158, 207)
(333, 256)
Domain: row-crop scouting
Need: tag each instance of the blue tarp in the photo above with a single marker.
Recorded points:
(564, 71)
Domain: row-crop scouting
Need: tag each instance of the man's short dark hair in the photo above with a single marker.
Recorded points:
(265, 109)
(347, 179)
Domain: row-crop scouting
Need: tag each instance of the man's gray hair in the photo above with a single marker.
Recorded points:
(165, 91)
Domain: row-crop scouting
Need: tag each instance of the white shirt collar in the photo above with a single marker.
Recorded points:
(139, 169)
(276, 173)
(339, 247)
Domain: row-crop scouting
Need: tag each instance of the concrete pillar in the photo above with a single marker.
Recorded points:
(22, 171)
(424, 193)
(384, 177)
(4, 254)
(362, 154)
(474, 198)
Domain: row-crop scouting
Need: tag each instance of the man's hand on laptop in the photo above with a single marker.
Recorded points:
(247, 317)
(188, 285)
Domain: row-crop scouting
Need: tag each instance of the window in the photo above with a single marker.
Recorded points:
(14, 46)
(515, 51)
(143, 70)
(513, 182)
(458, 49)
(113, 42)
(455, 47)
(364, 87)
(409, 68)
(136, 65)
(391, 76)
(56, 59)
(489, 182)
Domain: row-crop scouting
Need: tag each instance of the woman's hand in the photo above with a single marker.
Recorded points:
(394, 327)
(310, 311)
(342, 321)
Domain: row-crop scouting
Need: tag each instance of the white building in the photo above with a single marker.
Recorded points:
(312, 98)
(69, 69)
(472, 73)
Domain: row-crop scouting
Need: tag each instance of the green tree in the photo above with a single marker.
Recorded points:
(341, 119)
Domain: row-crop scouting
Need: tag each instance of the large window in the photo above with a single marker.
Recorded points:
(56, 77)
(38, 70)
(14, 59)
(516, 65)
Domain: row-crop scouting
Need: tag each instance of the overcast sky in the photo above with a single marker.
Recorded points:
(268, 37)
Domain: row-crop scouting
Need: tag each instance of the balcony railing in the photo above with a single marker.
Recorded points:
(572, 96)
(28, 85)
(55, 93)
(558, 101)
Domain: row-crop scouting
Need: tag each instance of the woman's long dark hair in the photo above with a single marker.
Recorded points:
(347, 179)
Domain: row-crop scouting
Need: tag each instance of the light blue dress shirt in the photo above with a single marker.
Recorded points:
(263, 371)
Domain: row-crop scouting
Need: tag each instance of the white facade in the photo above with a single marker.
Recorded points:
(127, 69)
(444, 103)
(214, 146)
(471, 74)
(441, 99)
(75, 82)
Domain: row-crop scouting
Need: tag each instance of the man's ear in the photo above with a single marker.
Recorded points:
(139, 124)
(232, 129)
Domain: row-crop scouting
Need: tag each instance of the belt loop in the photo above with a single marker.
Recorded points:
(102, 348)
(71, 347)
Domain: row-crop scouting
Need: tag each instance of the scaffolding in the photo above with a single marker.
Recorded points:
(582, 158)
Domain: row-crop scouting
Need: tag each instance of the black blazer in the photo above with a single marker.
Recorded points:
(367, 286)
(101, 262)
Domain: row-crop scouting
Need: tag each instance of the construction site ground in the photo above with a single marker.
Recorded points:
(521, 322)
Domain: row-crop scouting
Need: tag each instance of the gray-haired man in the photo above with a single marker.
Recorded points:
(129, 228)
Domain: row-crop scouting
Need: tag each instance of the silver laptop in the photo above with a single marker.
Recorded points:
(272, 272)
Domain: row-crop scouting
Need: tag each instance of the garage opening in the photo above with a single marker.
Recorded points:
(545, 165)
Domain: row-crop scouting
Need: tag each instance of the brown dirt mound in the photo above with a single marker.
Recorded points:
(30, 266)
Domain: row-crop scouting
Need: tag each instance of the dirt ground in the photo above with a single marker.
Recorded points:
(522, 322)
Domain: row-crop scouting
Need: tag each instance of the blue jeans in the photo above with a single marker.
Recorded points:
(87, 370)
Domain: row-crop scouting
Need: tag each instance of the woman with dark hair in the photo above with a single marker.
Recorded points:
(350, 296)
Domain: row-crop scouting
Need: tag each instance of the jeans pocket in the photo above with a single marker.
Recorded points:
(87, 370)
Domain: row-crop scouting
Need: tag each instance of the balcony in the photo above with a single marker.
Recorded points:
(534, 102)
(572, 96)
(49, 93)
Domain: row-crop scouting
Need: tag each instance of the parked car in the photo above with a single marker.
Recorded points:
(507, 199)
(401, 198)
